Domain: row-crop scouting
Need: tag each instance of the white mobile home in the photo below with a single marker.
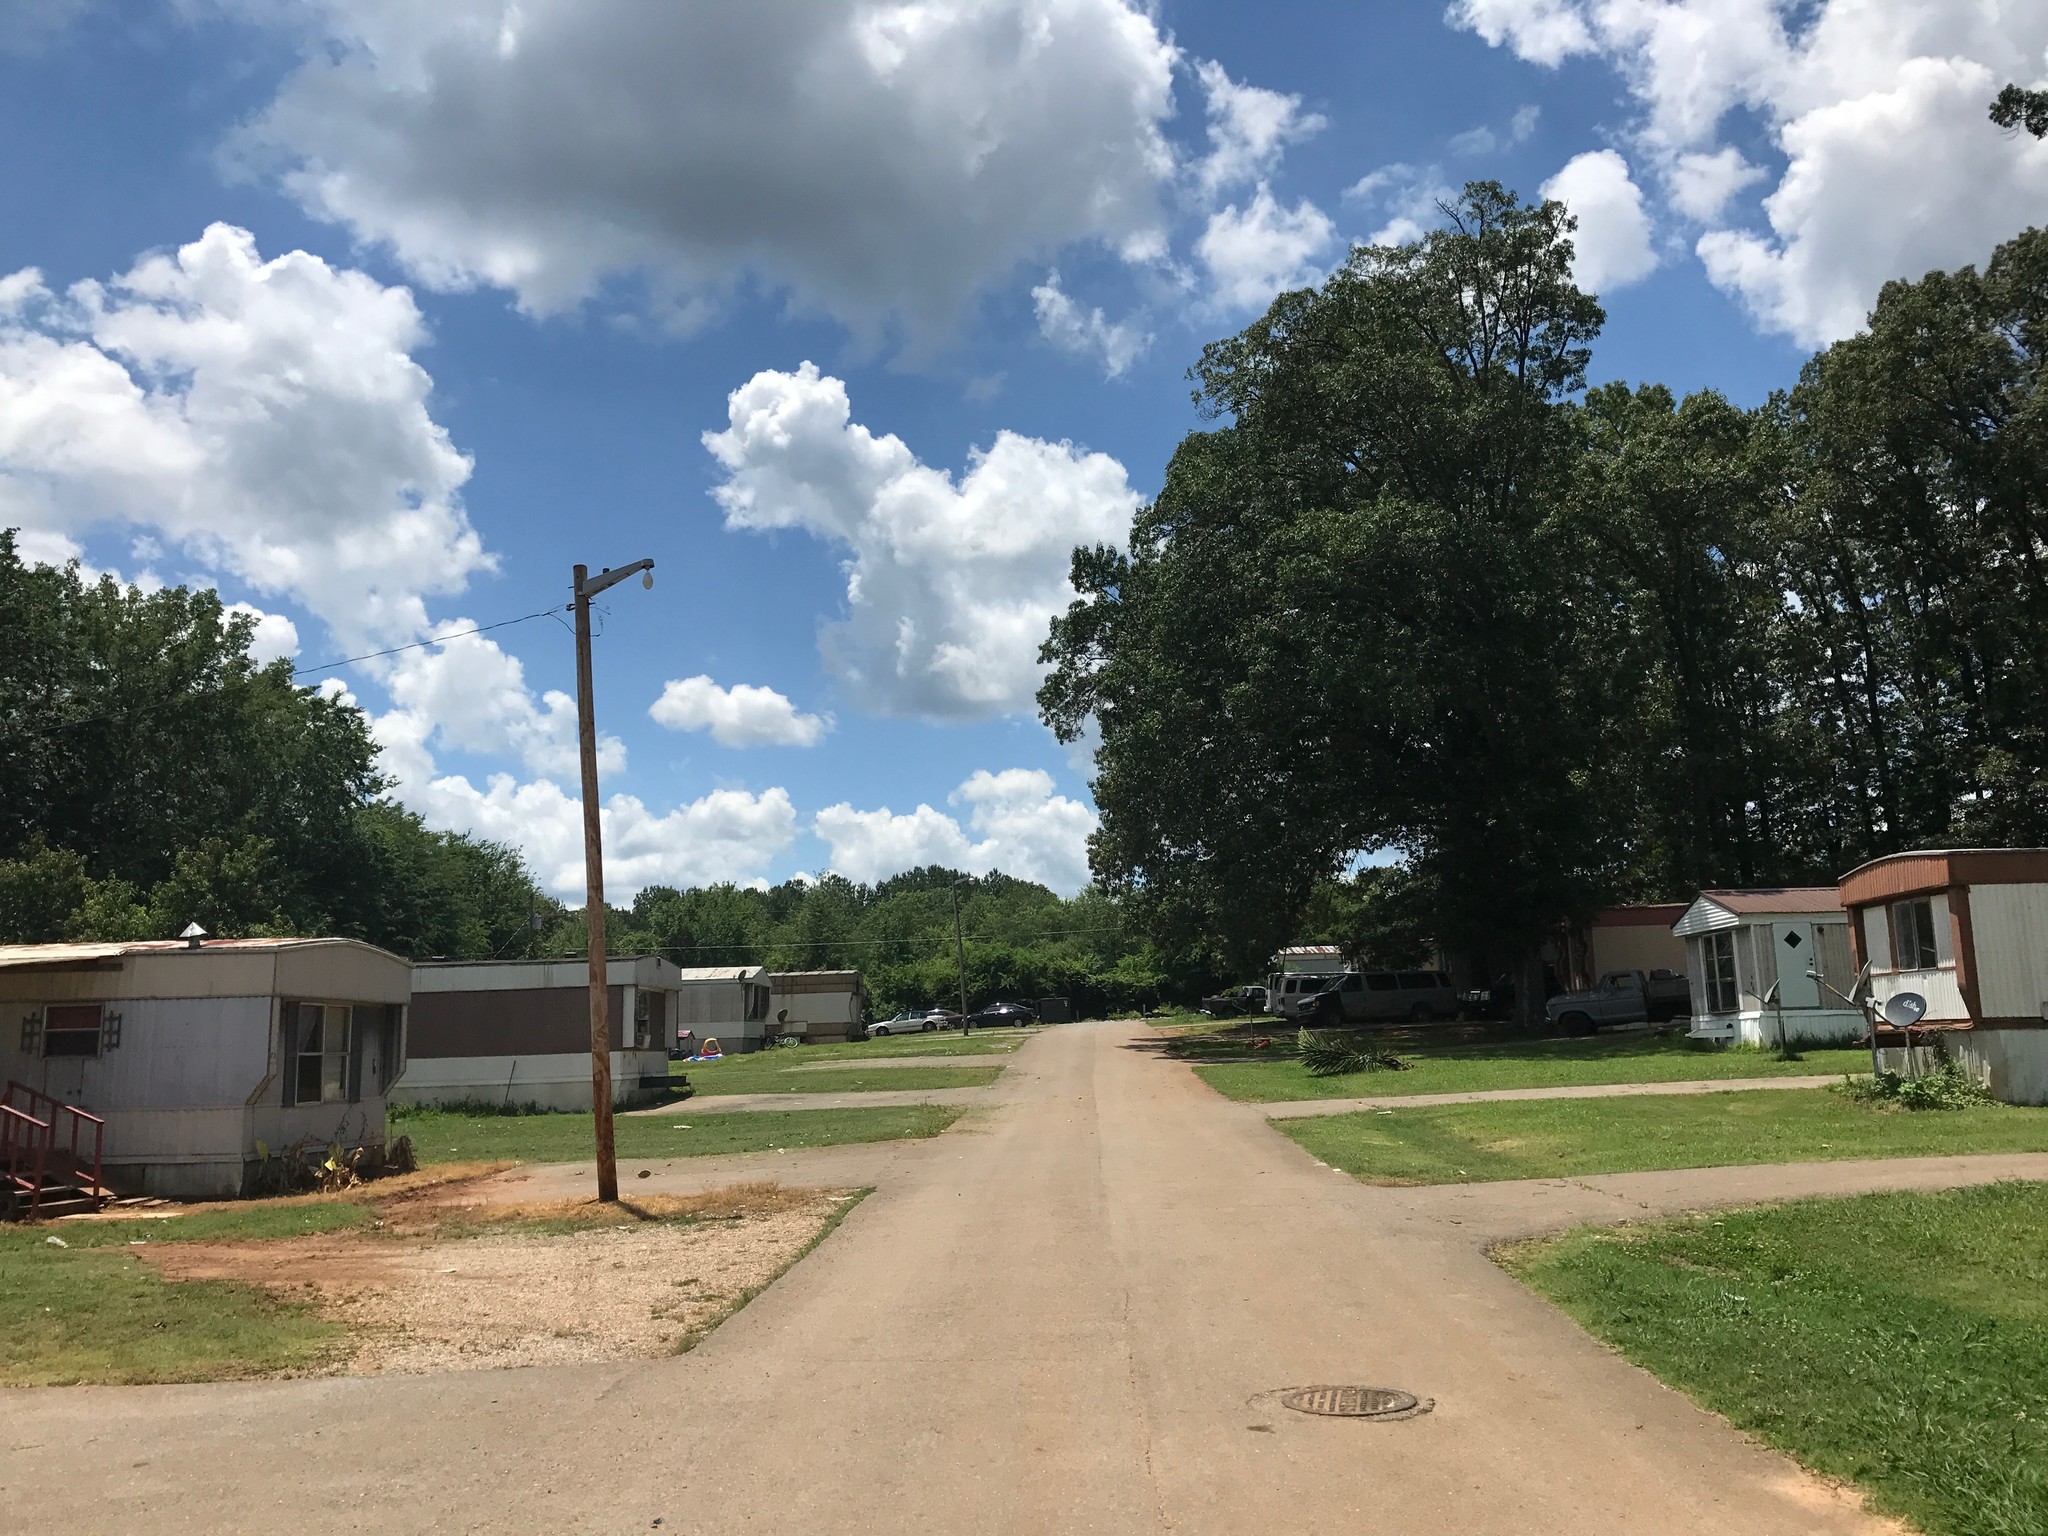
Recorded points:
(201, 1056)
(518, 1031)
(1967, 929)
(1739, 945)
(817, 1006)
(726, 1003)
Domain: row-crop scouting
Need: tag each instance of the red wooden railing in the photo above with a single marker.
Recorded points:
(39, 1146)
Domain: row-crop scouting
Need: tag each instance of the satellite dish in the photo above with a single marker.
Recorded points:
(1904, 1009)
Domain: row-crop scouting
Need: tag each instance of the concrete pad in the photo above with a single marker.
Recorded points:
(1065, 1315)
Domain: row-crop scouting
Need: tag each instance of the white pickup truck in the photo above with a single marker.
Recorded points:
(1621, 997)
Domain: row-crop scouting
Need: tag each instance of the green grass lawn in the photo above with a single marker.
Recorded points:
(1553, 1138)
(1573, 1063)
(1898, 1341)
(441, 1137)
(742, 1075)
(92, 1310)
(853, 1053)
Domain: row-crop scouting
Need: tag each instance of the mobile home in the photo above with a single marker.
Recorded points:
(1749, 963)
(205, 1057)
(726, 1003)
(817, 1006)
(518, 1031)
(1966, 929)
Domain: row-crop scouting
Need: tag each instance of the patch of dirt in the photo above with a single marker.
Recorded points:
(331, 1266)
(451, 1282)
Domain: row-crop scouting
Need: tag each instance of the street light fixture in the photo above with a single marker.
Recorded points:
(587, 587)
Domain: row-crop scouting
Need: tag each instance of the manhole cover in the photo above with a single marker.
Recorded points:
(1352, 1402)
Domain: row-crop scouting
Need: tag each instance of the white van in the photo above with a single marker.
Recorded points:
(1287, 992)
(1381, 997)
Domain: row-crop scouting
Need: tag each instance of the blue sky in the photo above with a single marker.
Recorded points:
(393, 313)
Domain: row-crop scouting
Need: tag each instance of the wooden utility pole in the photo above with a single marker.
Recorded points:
(593, 877)
(960, 953)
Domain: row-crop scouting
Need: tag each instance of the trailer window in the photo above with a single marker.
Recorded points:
(71, 1029)
(1913, 940)
(319, 1066)
(1719, 951)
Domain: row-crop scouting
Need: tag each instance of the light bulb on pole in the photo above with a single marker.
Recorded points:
(587, 587)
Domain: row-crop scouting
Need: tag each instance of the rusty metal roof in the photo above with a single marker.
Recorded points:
(1788, 898)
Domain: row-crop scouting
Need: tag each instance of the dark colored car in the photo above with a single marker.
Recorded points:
(1002, 1013)
(1235, 1002)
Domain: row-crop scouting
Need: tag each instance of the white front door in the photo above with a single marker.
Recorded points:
(1795, 958)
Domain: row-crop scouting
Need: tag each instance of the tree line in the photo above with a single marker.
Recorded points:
(1421, 590)
(152, 774)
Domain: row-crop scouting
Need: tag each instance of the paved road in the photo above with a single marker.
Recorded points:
(1058, 1317)
(1296, 1109)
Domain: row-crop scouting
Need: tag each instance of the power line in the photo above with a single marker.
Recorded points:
(168, 701)
(349, 661)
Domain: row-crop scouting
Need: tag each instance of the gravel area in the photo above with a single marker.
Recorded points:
(430, 1292)
(512, 1299)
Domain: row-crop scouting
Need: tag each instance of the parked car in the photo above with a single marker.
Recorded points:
(1002, 1013)
(903, 1024)
(1380, 997)
(1290, 991)
(1235, 1002)
(1622, 997)
(942, 1018)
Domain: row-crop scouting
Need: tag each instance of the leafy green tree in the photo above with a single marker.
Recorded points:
(1350, 620)
(2021, 109)
(152, 775)
(1914, 551)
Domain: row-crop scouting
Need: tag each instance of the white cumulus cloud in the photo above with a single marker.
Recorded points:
(729, 834)
(950, 583)
(879, 161)
(1612, 242)
(1064, 323)
(276, 636)
(1876, 109)
(1252, 253)
(466, 694)
(1250, 127)
(264, 417)
(740, 716)
(1015, 824)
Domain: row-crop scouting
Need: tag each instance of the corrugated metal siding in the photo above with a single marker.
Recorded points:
(1944, 997)
(709, 1006)
(1834, 961)
(2009, 924)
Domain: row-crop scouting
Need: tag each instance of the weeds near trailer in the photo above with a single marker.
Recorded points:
(1948, 1086)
